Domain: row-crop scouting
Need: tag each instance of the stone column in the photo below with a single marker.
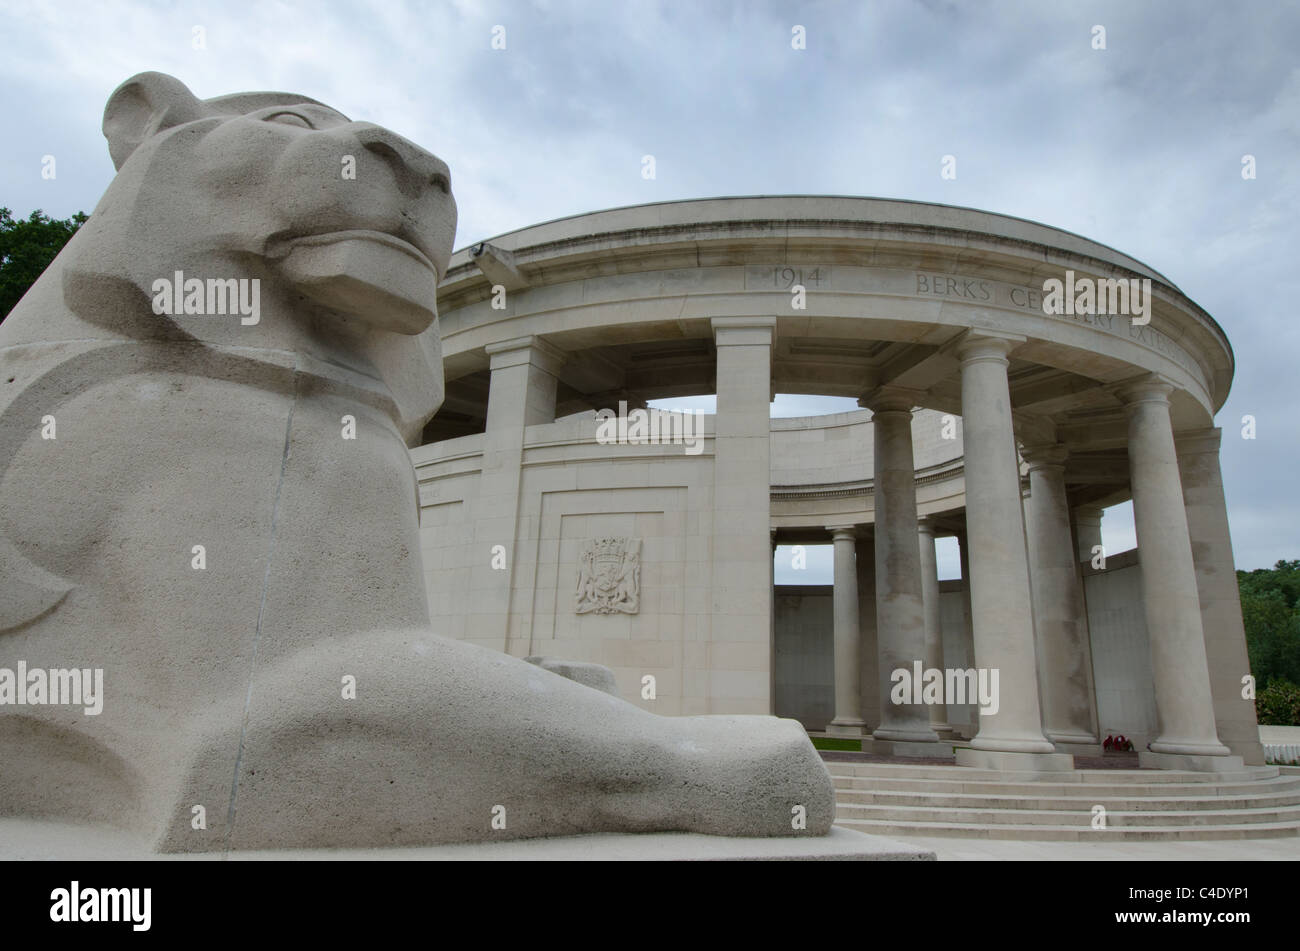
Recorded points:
(865, 557)
(933, 619)
(1001, 605)
(1087, 530)
(1170, 599)
(1216, 582)
(771, 612)
(521, 394)
(1060, 621)
(968, 632)
(900, 606)
(739, 677)
(848, 672)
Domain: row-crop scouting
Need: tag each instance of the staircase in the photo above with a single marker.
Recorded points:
(901, 799)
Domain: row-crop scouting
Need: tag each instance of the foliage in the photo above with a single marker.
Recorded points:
(27, 246)
(1278, 704)
(1270, 609)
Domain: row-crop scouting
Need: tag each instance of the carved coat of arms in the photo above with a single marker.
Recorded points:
(609, 577)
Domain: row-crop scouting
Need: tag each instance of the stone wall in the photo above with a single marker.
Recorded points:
(805, 656)
(957, 650)
(571, 491)
(1121, 654)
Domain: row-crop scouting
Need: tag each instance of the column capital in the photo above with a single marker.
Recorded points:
(842, 532)
(1198, 442)
(892, 399)
(1152, 388)
(926, 526)
(1033, 430)
(743, 331)
(1045, 456)
(978, 345)
(522, 350)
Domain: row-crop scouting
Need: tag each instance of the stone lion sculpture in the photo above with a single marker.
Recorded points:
(212, 503)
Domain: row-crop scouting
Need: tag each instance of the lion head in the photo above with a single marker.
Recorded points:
(347, 214)
(342, 229)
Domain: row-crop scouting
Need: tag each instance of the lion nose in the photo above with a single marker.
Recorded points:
(414, 168)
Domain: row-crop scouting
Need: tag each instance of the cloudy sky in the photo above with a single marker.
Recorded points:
(1138, 146)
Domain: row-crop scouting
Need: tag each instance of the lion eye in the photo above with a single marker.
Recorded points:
(290, 118)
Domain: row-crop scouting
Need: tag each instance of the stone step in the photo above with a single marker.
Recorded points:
(1136, 800)
(1042, 790)
(1081, 817)
(903, 799)
(1080, 776)
(1063, 833)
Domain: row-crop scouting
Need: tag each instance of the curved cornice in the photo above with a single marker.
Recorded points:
(720, 231)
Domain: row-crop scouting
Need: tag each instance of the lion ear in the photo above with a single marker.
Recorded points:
(143, 106)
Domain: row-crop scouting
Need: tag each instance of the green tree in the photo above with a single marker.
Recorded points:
(27, 246)
(1284, 578)
(1270, 610)
(1278, 704)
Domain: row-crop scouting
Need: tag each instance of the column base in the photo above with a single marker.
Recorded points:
(1079, 749)
(1076, 744)
(1189, 761)
(925, 735)
(1161, 745)
(1015, 762)
(1012, 744)
(904, 748)
(1072, 736)
(843, 726)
